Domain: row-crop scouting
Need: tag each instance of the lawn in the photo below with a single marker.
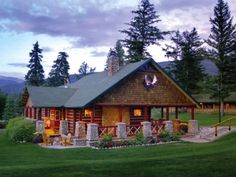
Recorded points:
(217, 159)
(206, 119)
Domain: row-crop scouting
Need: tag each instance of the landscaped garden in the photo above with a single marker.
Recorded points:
(182, 159)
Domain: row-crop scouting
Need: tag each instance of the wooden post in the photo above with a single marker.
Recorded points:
(120, 114)
(162, 112)
(176, 112)
(74, 117)
(80, 115)
(145, 113)
(92, 116)
(167, 113)
(192, 113)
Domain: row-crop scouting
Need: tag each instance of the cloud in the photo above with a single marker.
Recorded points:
(89, 23)
(96, 53)
(21, 65)
(47, 49)
(168, 5)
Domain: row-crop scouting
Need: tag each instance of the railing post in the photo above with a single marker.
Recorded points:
(215, 130)
(121, 131)
(92, 133)
(229, 125)
(146, 128)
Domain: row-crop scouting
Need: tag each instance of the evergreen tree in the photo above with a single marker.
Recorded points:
(9, 109)
(120, 52)
(35, 75)
(2, 103)
(221, 41)
(142, 32)
(187, 53)
(85, 69)
(59, 72)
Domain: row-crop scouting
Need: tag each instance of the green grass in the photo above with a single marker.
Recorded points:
(206, 119)
(217, 159)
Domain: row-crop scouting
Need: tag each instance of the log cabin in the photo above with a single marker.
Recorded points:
(120, 94)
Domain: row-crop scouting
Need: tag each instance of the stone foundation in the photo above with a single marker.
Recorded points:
(121, 130)
(146, 127)
(92, 133)
(193, 127)
(40, 126)
(80, 129)
(169, 126)
(63, 130)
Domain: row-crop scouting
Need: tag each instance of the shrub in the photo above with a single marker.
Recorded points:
(37, 138)
(20, 130)
(139, 138)
(3, 124)
(164, 136)
(175, 137)
(106, 141)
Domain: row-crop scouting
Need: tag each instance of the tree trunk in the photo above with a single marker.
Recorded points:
(222, 107)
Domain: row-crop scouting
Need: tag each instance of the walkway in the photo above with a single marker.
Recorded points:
(207, 134)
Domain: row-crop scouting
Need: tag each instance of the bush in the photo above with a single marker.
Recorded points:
(3, 124)
(20, 130)
(175, 137)
(37, 138)
(140, 139)
(106, 141)
(164, 136)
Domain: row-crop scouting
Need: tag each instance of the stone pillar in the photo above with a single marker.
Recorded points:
(40, 126)
(169, 126)
(146, 127)
(64, 128)
(80, 129)
(121, 130)
(192, 126)
(92, 133)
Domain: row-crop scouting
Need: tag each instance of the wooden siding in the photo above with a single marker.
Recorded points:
(70, 116)
(133, 92)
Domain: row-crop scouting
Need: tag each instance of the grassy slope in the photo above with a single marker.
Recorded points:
(184, 159)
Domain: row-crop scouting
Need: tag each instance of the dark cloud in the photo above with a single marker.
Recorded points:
(21, 65)
(89, 23)
(96, 53)
(167, 5)
(47, 49)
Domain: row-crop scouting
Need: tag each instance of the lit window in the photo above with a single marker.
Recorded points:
(138, 112)
(87, 113)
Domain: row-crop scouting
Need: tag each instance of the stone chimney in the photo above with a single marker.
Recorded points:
(112, 63)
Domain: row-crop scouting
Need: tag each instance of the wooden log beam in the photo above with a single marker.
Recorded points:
(167, 113)
(192, 113)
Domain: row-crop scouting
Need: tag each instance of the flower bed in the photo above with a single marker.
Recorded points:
(107, 142)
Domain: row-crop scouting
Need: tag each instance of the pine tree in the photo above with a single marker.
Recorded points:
(2, 103)
(85, 69)
(120, 52)
(9, 109)
(35, 75)
(60, 70)
(221, 41)
(142, 32)
(187, 53)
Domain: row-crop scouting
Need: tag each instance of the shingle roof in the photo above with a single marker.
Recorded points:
(93, 85)
(49, 96)
(87, 89)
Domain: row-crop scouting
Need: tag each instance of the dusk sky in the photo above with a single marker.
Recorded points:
(86, 29)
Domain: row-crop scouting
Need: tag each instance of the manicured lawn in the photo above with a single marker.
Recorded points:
(217, 159)
(206, 119)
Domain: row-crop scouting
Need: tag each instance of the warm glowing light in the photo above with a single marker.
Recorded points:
(137, 112)
(87, 113)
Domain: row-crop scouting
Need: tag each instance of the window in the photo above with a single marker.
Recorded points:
(88, 113)
(137, 112)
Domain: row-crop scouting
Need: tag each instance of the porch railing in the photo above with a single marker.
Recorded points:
(156, 127)
(132, 130)
(102, 130)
